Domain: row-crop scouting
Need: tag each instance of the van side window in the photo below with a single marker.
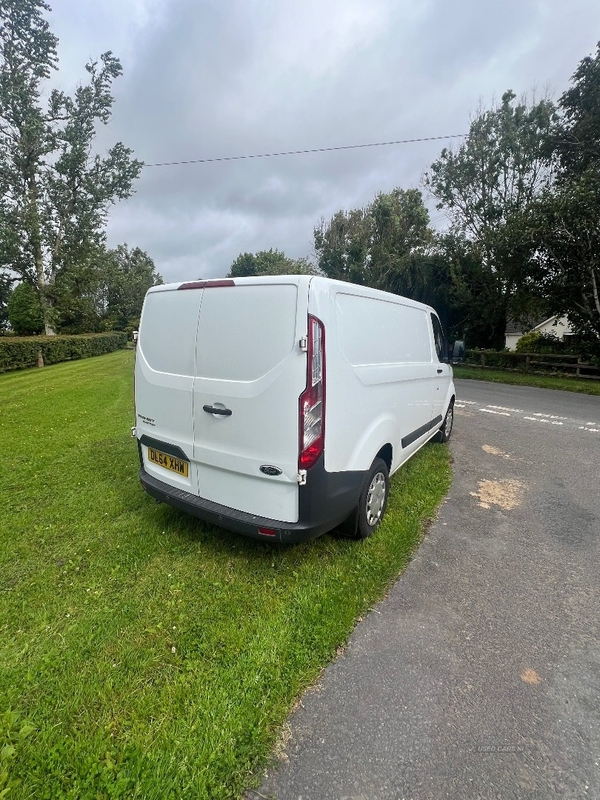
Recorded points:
(439, 338)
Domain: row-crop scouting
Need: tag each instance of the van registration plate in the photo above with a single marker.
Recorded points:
(177, 465)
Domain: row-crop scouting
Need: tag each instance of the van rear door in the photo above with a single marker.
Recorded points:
(164, 377)
(249, 374)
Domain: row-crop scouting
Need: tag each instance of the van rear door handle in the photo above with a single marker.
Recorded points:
(439, 372)
(223, 412)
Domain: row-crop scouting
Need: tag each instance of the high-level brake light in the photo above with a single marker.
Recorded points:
(210, 284)
(312, 400)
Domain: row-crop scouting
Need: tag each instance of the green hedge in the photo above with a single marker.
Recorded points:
(18, 352)
(502, 359)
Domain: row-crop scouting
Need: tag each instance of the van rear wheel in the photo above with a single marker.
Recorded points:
(371, 503)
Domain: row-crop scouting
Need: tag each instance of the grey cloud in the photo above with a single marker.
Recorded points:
(209, 79)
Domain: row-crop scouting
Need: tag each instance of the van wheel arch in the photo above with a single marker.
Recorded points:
(372, 503)
(444, 433)
(386, 455)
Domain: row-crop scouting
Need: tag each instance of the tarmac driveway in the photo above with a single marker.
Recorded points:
(479, 675)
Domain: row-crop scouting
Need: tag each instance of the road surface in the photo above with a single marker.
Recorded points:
(479, 675)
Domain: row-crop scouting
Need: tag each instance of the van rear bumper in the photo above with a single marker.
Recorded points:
(326, 500)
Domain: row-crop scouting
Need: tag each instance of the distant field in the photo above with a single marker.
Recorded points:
(144, 654)
(580, 385)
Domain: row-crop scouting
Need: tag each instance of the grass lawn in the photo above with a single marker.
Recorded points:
(580, 385)
(143, 653)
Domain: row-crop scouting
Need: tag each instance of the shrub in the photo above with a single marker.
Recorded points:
(528, 342)
(25, 311)
(20, 353)
(537, 342)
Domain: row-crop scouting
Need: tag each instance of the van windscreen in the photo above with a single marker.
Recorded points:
(245, 331)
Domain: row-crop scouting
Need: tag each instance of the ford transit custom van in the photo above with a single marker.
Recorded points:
(279, 406)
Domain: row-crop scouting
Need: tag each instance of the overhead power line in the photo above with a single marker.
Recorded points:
(303, 152)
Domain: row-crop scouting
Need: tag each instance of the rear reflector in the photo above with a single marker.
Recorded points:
(206, 284)
(267, 531)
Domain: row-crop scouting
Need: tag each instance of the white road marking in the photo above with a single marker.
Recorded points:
(541, 419)
(536, 416)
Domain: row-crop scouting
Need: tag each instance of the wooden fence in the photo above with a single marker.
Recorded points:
(533, 362)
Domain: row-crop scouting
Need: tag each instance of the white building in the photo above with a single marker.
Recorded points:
(557, 326)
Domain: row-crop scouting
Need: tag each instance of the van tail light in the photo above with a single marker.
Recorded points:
(312, 400)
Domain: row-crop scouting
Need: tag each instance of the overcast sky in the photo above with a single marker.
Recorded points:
(217, 78)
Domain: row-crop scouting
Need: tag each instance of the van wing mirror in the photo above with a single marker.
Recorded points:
(458, 351)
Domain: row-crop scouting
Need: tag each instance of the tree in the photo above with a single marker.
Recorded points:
(562, 228)
(25, 311)
(501, 167)
(578, 139)
(106, 293)
(77, 298)
(566, 253)
(269, 262)
(342, 245)
(470, 292)
(55, 191)
(377, 245)
(128, 276)
(504, 165)
(572, 253)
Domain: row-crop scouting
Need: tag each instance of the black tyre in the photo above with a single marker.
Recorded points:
(445, 432)
(371, 503)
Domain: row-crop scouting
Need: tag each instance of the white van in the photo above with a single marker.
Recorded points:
(279, 406)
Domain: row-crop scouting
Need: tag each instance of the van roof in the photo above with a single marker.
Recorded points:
(297, 280)
(202, 283)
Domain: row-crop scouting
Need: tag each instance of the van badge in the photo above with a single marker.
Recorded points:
(269, 470)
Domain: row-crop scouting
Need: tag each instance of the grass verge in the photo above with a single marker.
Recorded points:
(580, 385)
(144, 653)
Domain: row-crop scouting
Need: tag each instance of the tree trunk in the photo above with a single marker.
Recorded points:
(38, 255)
(48, 329)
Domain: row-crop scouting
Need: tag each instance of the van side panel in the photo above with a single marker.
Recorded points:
(380, 377)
